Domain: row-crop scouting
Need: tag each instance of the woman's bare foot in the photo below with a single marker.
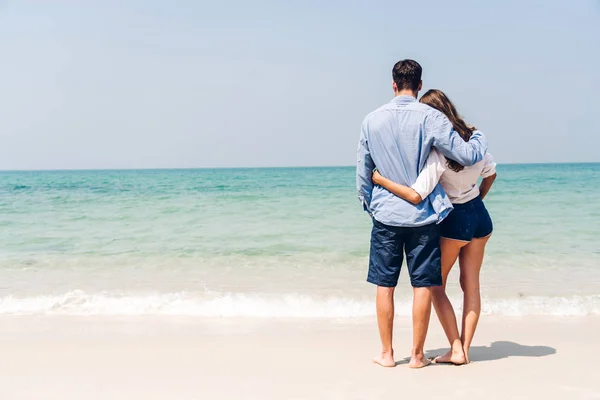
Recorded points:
(467, 359)
(419, 362)
(385, 360)
(456, 358)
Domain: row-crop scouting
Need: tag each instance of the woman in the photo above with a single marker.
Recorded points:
(464, 232)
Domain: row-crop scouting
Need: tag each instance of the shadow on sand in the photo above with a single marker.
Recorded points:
(500, 350)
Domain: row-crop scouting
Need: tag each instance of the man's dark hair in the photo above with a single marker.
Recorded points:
(407, 75)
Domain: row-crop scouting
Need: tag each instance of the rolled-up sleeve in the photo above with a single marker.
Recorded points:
(364, 169)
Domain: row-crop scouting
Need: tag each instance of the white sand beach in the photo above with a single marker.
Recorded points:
(170, 358)
(189, 208)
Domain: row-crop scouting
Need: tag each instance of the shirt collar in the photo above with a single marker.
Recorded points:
(403, 99)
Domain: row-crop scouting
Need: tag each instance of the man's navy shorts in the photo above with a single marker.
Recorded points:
(422, 248)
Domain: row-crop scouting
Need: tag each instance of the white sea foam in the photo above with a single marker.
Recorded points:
(257, 306)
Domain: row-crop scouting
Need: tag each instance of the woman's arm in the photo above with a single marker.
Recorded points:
(488, 174)
(404, 192)
(426, 181)
(486, 185)
(435, 165)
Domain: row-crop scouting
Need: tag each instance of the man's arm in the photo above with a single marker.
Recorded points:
(364, 170)
(451, 145)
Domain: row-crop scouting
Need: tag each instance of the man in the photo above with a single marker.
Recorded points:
(397, 139)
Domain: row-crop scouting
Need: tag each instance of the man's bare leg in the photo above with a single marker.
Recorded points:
(421, 314)
(385, 320)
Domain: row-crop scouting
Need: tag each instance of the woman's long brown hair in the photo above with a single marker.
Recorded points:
(438, 100)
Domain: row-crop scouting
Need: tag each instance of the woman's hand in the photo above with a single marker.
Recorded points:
(376, 177)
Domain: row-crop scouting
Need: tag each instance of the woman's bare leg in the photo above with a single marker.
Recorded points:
(471, 258)
(443, 308)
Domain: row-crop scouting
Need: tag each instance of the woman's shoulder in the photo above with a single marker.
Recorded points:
(488, 159)
(436, 160)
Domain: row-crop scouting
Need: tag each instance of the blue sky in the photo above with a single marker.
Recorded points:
(149, 84)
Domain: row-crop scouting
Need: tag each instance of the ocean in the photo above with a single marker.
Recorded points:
(272, 243)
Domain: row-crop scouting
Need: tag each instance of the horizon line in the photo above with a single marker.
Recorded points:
(259, 167)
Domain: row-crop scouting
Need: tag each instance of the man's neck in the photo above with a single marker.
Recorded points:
(406, 92)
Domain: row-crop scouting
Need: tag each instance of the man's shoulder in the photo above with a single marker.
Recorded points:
(434, 117)
(421, 107)
(429, 111)
(378, 112)
(383, 111)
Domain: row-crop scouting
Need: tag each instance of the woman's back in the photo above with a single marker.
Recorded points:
(462, 186)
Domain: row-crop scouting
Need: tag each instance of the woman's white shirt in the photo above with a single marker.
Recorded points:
(460, 187)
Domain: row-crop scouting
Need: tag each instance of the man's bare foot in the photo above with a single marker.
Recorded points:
(385, 360)
(451, 358)
(419, 362)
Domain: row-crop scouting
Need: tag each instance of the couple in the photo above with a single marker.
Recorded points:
(406, 148)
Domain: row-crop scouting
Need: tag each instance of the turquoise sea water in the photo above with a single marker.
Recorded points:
(290, 242)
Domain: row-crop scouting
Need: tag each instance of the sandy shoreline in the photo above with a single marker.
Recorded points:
(185, 358)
